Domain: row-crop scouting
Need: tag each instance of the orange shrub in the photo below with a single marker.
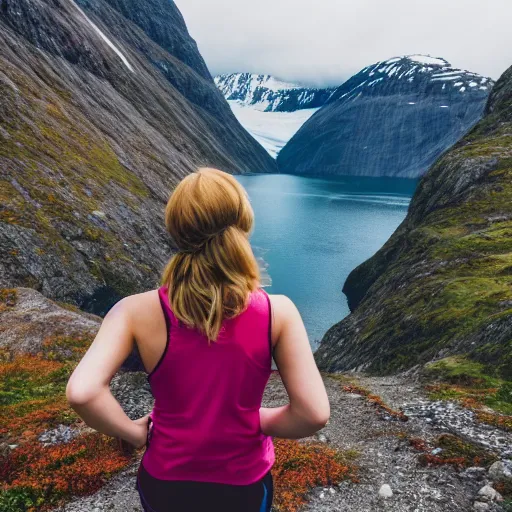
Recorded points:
(301, 466)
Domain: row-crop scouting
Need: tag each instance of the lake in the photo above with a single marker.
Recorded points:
(311, 232)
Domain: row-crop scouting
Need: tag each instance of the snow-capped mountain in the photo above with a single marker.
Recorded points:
(269, 94)
(269, 109)
(393, 118)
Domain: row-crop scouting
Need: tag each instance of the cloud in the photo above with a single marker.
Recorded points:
(324, 42)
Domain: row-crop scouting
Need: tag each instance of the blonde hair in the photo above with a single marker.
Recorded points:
(209, 218)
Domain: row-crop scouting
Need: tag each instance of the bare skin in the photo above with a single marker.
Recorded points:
(139, 319)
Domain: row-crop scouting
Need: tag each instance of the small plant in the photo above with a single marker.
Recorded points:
(301, 466)
(453, 451)
(376, 401)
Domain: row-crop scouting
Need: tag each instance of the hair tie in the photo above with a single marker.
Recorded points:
(201, 246)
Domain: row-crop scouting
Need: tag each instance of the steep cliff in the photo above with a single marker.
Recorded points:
(442, 283)
(104, 106)
(393, 118)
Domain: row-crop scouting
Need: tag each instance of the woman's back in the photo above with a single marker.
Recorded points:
(206, 337)
(206, 424)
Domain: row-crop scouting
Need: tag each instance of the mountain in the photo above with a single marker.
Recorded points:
(270, 110)
(393, 118)
(105, 105)
(270, 94)
(441, 285)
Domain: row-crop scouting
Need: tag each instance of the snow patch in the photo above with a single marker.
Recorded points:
(394, 59)
(445, 78)
(427, 59)
(105, 38)
(271, 129)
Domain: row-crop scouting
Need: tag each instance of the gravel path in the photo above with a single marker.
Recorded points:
(385, 457)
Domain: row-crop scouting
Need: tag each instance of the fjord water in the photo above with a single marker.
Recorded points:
(311, 232)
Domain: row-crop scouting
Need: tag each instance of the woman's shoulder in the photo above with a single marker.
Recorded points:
(139, 304)
(281, 301)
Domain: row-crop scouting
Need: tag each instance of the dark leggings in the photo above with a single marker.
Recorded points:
(185, 496)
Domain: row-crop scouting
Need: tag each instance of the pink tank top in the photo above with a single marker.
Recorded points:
(206, 424)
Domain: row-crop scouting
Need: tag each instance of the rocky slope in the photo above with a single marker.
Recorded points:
(390, 476)
(270, 110)
(269, 94)
(104, 105)
(393, 118)
(442, 283)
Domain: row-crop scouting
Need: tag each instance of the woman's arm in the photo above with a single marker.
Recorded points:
(308, 410)
(88, 390)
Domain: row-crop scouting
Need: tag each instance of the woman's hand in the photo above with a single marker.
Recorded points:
(140, 432)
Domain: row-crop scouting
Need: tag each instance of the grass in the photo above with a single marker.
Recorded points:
(471, 383)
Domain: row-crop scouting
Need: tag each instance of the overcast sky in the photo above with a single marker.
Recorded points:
(326, 41)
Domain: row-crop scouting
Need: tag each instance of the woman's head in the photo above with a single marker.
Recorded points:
(209, 218)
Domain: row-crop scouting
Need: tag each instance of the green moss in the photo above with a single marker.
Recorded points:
(454, 447)
(471, 382)
(67, 170)
(8, 298)
(460, 370)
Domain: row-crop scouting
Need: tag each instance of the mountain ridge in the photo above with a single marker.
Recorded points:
(270, 94)
(393, 118)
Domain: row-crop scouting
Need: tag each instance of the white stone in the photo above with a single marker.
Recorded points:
(478, 505)
(385, 491)
(488, 493)
(499, 471)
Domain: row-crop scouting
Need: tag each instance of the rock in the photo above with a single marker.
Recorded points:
(109, 132)
(322, 438)
(385, 491)
(354, 396)
(479, 505)
(487, 493)
(59, 435)
(5, 449)
(132, 391)
(32, 319)
(501, 471)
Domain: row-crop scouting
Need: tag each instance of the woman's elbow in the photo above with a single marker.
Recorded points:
(76, 395)
(321, 417)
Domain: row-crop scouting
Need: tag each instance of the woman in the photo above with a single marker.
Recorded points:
(206, 338)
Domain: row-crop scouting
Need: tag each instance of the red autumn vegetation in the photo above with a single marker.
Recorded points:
(301, 466)
(376, 401)
(452, 451)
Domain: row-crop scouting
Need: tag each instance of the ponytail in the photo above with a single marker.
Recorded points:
(210, 218)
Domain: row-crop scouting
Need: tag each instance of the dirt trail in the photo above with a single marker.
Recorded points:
(385, 456)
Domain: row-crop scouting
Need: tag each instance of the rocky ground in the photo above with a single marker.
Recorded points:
(390, 476)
